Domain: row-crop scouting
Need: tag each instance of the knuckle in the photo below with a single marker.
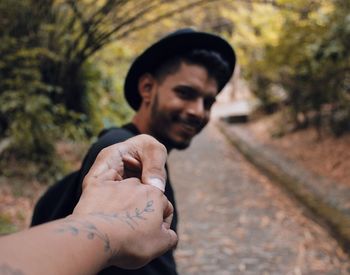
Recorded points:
(104, 151)
(163, 148)
(153, 191)
(152, 142)
(87, 182)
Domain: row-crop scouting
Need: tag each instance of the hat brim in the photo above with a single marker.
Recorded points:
(170, 46)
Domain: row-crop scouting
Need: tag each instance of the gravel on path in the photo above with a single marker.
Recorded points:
(233, 220)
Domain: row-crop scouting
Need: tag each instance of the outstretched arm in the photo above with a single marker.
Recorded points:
(116, 222)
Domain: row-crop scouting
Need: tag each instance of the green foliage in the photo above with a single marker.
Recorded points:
(28, 116)
(303, 47)
(33, 122)
(6, 225)
(104, 94)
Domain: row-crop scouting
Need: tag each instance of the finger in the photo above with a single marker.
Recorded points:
(169, 240)
(166, 240)
(132, 167)
(107, 177)
(168, 208)
(110, 175)
(153, 158)
(173, 239)
(132, 181)
(168, 214)
(167, 219)
(109, 157)
(142, 152)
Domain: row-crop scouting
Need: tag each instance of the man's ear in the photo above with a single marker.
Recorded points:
(145, 86)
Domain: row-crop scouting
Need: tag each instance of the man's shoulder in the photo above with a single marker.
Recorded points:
(116, 132)
(113, 135)
(113, 130)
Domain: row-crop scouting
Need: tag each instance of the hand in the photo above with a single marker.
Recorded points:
(135, 217)
(116, 222)
(141, 156)
(138, 212)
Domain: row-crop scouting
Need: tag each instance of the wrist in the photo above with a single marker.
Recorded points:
(99, 236)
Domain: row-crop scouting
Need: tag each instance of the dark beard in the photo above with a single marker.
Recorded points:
(160, 120)
(163, 138)
(170, 144)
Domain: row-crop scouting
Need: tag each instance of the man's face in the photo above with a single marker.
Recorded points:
(180, 105)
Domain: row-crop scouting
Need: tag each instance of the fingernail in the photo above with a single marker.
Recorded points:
(156, 182)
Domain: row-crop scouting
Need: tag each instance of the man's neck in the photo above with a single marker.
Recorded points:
(141, 124)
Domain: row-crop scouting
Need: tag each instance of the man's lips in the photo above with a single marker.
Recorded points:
(189, 128)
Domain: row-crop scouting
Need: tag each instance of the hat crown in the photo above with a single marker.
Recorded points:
(177, 42)
(181, 31)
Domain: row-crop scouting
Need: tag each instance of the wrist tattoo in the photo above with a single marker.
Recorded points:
(76, 227)
(5, 269)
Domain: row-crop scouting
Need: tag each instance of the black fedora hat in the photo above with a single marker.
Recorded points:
(180, 41)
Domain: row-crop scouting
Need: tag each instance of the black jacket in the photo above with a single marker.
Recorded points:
(61, 198)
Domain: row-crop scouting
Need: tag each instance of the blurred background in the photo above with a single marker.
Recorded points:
(63, 64)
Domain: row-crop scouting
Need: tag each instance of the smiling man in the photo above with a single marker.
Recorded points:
(176, 107)
(172, 86)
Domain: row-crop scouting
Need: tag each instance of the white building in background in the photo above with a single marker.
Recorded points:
(236, 89)
(235, 99)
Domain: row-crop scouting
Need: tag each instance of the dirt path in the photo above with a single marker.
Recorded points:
(235, 221)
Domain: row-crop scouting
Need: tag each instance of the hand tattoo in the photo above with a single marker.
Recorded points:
(75, 227)
(127, 217)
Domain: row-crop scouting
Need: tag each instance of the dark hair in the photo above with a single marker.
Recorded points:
(215, 65)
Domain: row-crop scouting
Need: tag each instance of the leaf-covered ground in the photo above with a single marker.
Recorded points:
(20, 188)
(327, 156)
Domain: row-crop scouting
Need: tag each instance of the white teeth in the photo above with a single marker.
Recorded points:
(189, 128)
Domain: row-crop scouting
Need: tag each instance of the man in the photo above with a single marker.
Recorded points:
(102, 230)
(171, 86)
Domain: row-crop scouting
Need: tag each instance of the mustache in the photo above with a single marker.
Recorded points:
(194, 122)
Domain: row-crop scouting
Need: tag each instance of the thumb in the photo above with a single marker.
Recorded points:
(153, 159)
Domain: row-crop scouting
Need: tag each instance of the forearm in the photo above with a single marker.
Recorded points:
(67, 246)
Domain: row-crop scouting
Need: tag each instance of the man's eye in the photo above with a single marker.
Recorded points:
(208, 104)
(184, 94)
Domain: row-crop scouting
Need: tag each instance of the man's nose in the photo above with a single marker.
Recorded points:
(196, 108)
